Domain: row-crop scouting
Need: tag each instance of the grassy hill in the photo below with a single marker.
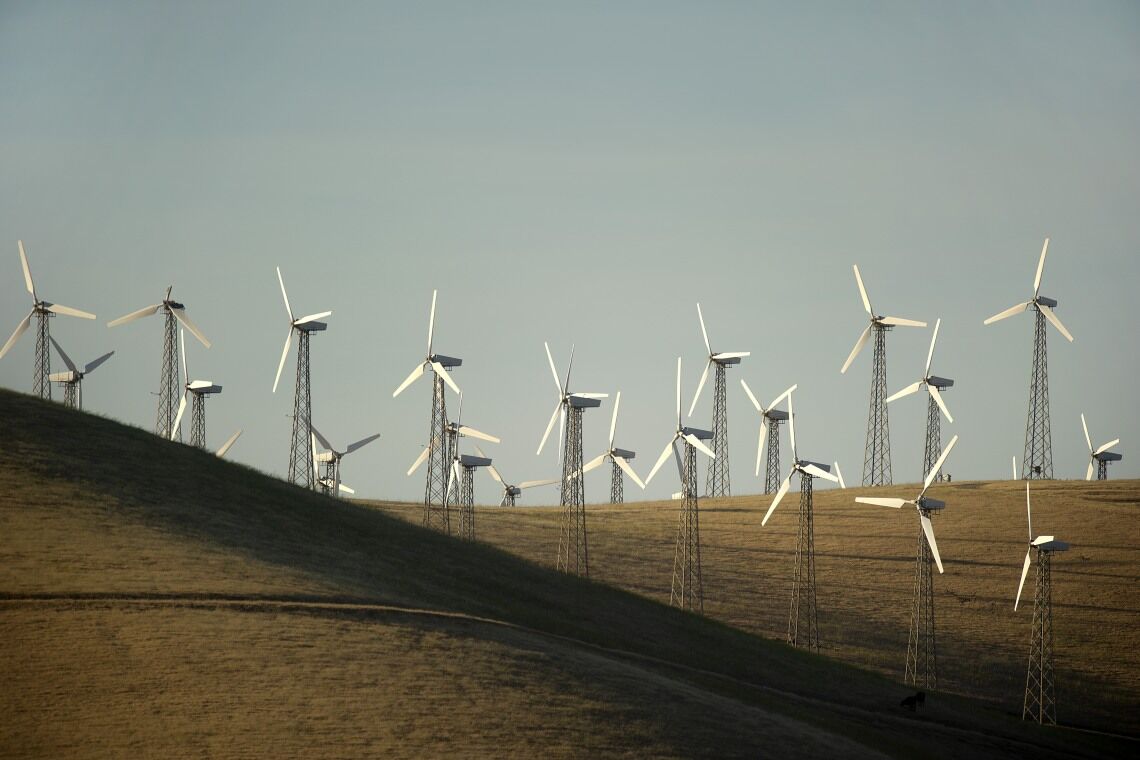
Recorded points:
(155, 601)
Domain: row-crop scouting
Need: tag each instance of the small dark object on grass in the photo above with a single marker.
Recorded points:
(914, 701)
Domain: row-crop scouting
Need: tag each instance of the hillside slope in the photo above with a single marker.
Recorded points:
(155, 600)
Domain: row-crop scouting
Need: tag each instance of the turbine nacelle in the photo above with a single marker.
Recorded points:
(704, 435)
(467, 460)
(447, 362)
(941, 383)
(623, 453)
(1043, 304)
(1043, 301)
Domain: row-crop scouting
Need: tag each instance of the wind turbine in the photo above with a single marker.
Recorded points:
(301, 469)
(43, 311)
(1038, 459)
(573, 548)
(229, 442)
(803, 613)
(330, 458)
(619, 461)
(437, 454)
(72, 379)
(877, 452)
(935, 386)
(462, 472)
(1040, 690)
(175, 314)
(510, 491)
(718, 482)
(687, 589)
(770, 420)
(921, 652)
(1099, 458)
(198, 391)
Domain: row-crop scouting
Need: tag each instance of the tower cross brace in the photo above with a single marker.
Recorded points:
(803, 621)
(877, 454)
(439, 460)
(717, 480)
(573, 551)
(688, 591)
(198, 420)
(617, 483)
(1040, 689)
(42, 368)
(467, 502)
(301, 445)
(73, 394)
(921, 651)
(168, 385)
(1037, 463)
(772, 471)
(933, 447)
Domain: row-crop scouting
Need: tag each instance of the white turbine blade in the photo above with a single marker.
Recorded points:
(1028, 511)
(704, 332)
(613, 419)
(288, 310)
(361, 443)
(185, 364)
(938, 465)
(594, 463)
(27, 270)
(553, 371)
(760, 444)
(439, 370)
(783, 396)
(862, 290)
(858, 347)
(490, 468)
(534, 483)
(317, 434)
(751, 396)
(901, 322)
(569, 366)
(589, 395)
(937, 394)
(146, 312)
(678, 394)
(700, 445)
(20, 328)
(453, 475)
(284, 353)
(1106, 446)
(882, 501)
(58, 308)
(1042, 540)
(197, 384)
(700, 387)
(230, 442)
(622, 463)
(464, 430)
(732, 355)
(928, 529)
(93, 364)
(549, 426)
(839, 475)
(906, 391)
(561, 433)
(1040, 268)
(1088, 440)
(1014, 470)
(313, 317)
(819, 472)
(431, 321)
(930, 353)
(178, 418)
(661, 459)
(184, 318)
(792, 429)
(71, 365)
(1024, 573)
(1049, 315)
(411, 378)
(1089, 471)
(342, 487)
(680, 467)
(419, 460)
(1007, 313)
(779, 495)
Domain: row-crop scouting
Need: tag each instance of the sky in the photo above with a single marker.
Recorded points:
(583, 174)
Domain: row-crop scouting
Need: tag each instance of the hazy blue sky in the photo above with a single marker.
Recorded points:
(583, 173)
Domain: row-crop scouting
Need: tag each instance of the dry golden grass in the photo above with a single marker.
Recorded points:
(865, 573)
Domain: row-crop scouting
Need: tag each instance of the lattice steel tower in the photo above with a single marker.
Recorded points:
(573, 549)
(438, 458)
(197, 391)
(1037, 462)
(877, 452)
(619, 461)
(770, 420)
(935, 387)
(467, 502)
(462, 473)
(617, 483)
(42, 311)
(71, 380)
(803, 617)
(718, 482)
(921, 649)
(688, 590)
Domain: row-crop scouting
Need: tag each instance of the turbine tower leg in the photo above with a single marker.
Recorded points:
(71, 397)
(1037, 464)
(168, 385)
(40, 385)
(921, 651)
(439, 460)
(301, 450)
(1101, 470)
(877, 455)
(933, 440)
(688, 591)
(772, 473)
(803, 621)
(617, 483)
(1040, 692)
(328, 479)
(717, 482)
(198, 420)
(467, 503)
(573, 554)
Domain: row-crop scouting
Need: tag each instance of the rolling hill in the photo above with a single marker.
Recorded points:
(156, 601)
